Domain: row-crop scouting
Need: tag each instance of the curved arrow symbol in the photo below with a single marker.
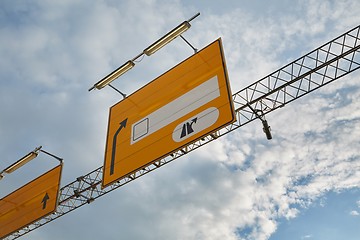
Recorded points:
(188, 128)
(122, 125)
(195, 124)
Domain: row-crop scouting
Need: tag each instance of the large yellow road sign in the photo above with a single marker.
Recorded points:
(29, 203)
(182, 105)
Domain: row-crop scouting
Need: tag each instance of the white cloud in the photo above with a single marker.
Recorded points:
(307, 236)
(354, 213)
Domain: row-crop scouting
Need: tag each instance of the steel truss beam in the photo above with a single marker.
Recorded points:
(323, 65)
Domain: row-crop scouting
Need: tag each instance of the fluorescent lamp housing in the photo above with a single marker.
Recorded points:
(21, 162)
(24, 160)
(115, 74)
(177, 31)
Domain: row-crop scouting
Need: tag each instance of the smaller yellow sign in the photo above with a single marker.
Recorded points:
(31, 202)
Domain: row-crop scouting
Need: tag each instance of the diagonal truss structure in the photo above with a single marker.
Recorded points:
(323, 65)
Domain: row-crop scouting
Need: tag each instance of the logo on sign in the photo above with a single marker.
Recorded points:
(195, 124)
(187, 128)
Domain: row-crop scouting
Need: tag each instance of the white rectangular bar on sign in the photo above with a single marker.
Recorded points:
(186, 103)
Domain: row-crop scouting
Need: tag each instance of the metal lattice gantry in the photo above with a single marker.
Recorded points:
(321, 66)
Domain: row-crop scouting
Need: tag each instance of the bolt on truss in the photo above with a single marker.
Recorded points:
(323, 65)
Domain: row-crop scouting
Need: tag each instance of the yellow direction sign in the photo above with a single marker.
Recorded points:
(189, 101)
(31, 202)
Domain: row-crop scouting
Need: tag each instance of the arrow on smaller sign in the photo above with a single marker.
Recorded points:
(122, 125)
(44, 200)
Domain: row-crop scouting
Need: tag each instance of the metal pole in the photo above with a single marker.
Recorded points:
(195, 16)
(122, 94)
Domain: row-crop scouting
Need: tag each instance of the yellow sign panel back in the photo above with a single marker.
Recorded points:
(29, 203)
(182, 105)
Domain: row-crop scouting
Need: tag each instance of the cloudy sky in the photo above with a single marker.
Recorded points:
(303, 184)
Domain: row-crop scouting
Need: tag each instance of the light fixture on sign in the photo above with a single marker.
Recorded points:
(24, 160)
(21, 162)
(167, 38)
(177, 31)
(114, 75)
